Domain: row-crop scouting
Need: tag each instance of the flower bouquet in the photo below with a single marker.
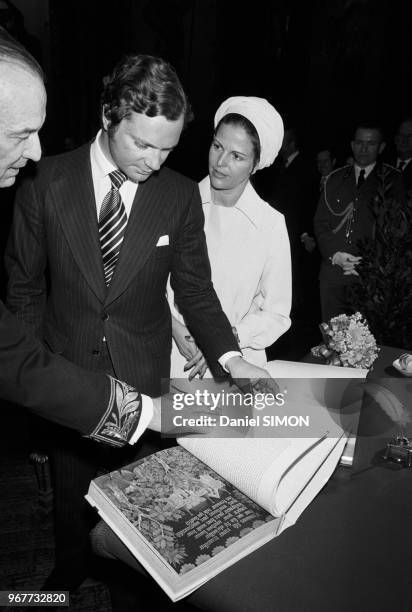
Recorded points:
(348, 342)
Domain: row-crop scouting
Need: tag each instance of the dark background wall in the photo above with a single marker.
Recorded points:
(323, 63)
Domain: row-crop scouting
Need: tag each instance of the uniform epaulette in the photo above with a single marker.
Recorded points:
(348, 169)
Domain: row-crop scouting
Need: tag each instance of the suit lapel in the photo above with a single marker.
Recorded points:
(147, 217)
(75, 204)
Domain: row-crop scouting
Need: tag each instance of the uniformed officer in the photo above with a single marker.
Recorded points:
(344, 215)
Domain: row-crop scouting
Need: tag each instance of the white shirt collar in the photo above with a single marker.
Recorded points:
(101, 166)
(368, 170)
(291, 158)
(249, 203)
(404, 161)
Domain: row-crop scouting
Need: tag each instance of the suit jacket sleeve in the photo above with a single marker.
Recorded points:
(26, 258)
(193, 288)
(96, 405)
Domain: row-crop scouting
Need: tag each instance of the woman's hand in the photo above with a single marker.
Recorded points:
(184, 341)
(198, 365)
(188, 348)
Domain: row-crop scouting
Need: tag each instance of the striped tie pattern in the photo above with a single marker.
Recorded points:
(112, 224)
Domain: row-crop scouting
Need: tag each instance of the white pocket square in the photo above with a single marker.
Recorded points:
(163, 241)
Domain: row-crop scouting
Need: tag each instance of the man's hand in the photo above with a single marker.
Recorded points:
(199, 416)
(308, 242)
(260, 379)
(347, 262)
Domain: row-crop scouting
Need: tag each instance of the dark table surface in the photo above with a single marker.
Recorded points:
(350, 550)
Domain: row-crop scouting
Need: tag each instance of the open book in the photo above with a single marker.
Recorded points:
(188, 512)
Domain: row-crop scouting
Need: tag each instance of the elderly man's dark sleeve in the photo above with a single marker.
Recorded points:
(94, 404)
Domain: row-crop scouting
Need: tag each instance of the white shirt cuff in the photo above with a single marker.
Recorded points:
(226, 356)
(145, 418)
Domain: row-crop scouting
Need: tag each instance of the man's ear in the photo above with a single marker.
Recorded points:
(105, 120)
(381, 147)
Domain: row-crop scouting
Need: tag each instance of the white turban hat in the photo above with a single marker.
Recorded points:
(266, 120)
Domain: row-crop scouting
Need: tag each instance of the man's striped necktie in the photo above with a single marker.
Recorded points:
(112, 224)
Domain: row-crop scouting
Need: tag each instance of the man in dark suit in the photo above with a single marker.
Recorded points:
(290, 187)
(325, 163)
(292, 191)
(110, 224)
(403, 144)
(29, 374)
(289, 191)
(344, 216)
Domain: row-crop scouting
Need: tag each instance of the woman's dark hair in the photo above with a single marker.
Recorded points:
(236, 119)
(147, 85)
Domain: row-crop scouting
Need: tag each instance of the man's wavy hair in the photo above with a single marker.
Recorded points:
(143, 84)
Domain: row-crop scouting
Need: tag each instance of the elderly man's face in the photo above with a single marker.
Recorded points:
(22, 114)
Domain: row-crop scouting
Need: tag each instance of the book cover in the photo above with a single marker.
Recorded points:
(182, 521)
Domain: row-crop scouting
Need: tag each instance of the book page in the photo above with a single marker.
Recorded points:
(297, 369)
(296, 474)
(314, 486)
(271, 471)
(243, 461)
(279, 368)
(269, 465)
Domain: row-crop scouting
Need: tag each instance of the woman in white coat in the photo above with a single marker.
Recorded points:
(246, 238)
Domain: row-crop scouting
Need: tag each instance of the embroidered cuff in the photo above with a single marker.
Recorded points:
(121, 417)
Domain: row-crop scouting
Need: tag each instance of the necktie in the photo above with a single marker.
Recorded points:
(401, 165)
(361, 178)
(112, 224)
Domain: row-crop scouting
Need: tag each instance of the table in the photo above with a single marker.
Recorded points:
(351, 549)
